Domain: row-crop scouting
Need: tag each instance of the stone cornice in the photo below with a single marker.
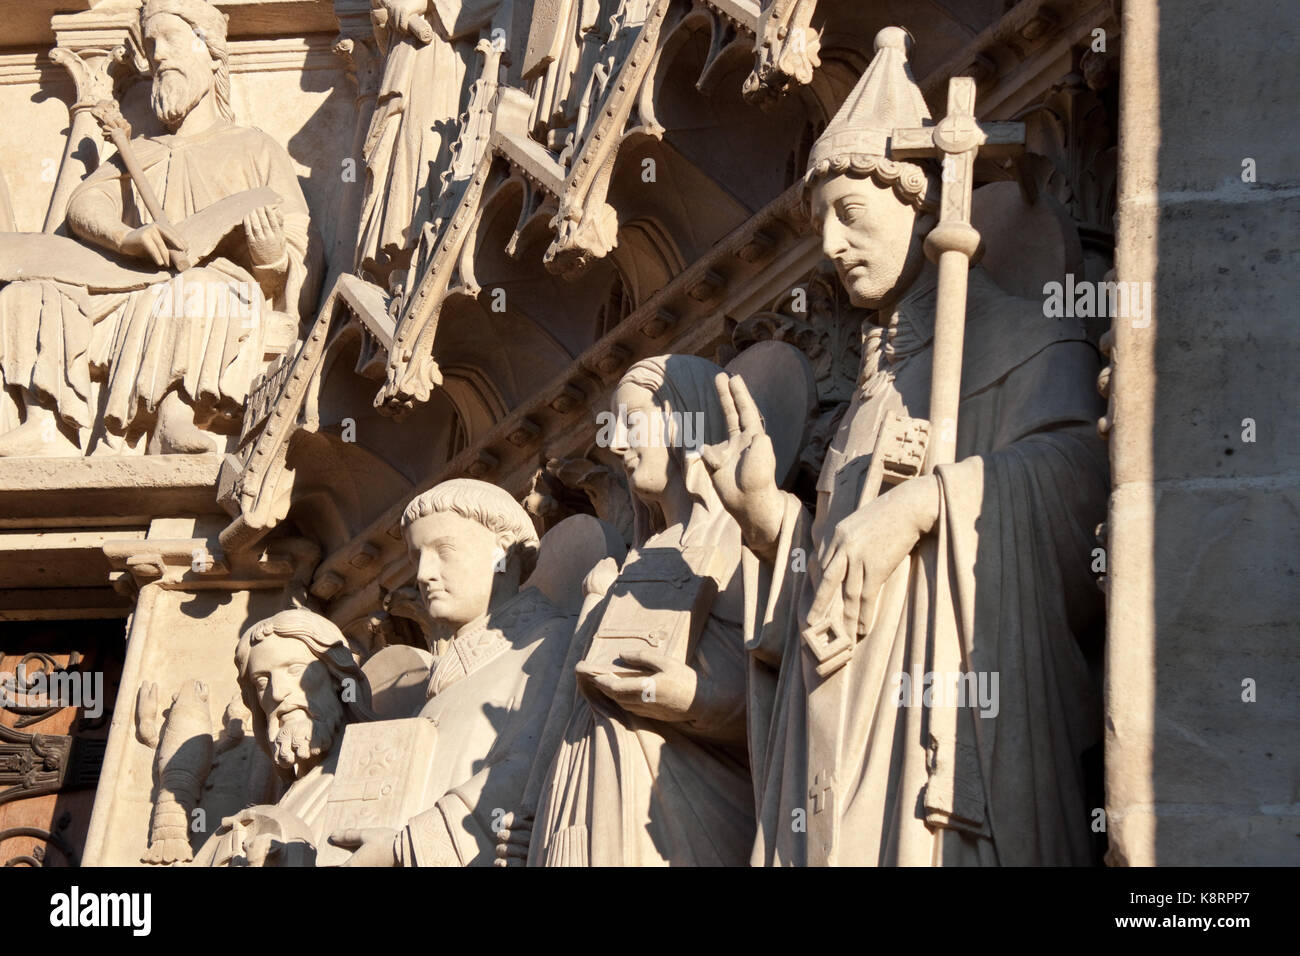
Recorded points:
(193, 564)
(107, 490)
(312, 52)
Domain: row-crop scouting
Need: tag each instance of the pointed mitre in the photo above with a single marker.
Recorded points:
(886, 98)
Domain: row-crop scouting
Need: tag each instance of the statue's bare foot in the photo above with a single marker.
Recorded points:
(39, 437)
(176, 433)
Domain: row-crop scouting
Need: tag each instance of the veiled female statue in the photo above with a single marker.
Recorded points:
(653, 768)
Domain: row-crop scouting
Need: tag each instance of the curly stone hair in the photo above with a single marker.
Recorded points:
(487, 505)
(913, 184)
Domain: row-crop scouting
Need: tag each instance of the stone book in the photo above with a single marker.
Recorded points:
(380, 781)
(658, 603)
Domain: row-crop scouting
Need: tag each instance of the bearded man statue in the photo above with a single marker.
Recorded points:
(302, 684)
(173, 313)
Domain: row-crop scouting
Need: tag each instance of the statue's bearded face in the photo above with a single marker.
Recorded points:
(456, 560)
(298, 696)
(867, 232)
(182, 67)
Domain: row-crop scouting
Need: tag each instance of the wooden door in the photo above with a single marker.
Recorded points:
(53, 728)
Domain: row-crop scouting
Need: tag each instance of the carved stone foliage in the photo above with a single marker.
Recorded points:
(787, 50)
(102, 54)
(1073, 152)
(816, 317)
(568, 486)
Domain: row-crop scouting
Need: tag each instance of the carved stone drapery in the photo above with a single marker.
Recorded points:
(357, 47)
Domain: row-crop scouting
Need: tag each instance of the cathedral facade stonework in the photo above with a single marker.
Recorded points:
(648, 432)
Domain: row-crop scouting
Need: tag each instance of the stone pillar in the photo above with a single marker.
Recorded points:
(365, 63)
(192, 604)
(96, 49)
(1203, 675)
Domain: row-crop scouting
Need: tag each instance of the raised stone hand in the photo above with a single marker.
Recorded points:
(669, 691)
(672, 692)
(868, 545)
(257, 836)
(743, 468)
(601, 577)
(404, 16)
(146, 714)
(151, 241)
(263, 850)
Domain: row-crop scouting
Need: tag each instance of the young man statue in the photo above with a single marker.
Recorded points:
(490, 693)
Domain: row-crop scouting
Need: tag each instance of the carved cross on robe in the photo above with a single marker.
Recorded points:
(821, 794)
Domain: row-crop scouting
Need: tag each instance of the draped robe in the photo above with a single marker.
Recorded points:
(420, 98)
(1001, 586)
(299, 815)
(626, 790)
(490, 695)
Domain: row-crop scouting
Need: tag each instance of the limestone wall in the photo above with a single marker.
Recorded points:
(1204, 636)
(34, 99)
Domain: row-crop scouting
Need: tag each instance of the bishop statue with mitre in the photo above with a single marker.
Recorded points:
(924, 631)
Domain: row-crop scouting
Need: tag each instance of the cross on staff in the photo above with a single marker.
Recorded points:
(953, 242)
(958, 138)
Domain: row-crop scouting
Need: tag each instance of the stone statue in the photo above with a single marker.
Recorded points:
(420, 97)
(918, 585)
(302, 684)
(213, 205)
(182, 761)
(490, 693)
(653, 768)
